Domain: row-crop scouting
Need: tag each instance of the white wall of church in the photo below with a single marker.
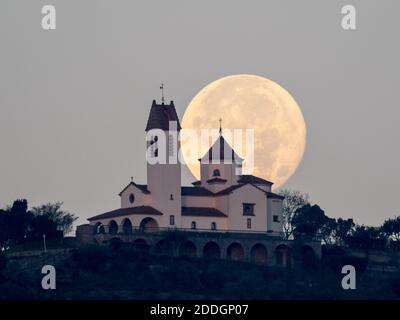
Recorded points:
(139, 197)
(247, 194)
(196, 201)
(275, 207)
(222, 204)
(135, 220)
(164, 183)
(226, 170)
(216, 187)
(204, 223)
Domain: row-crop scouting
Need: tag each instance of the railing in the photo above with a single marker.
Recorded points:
(196, 232)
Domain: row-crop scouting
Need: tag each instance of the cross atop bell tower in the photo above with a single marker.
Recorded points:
(162, 93)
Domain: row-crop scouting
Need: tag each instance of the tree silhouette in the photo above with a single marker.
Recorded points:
(18, 224)
(294, 200)
(62, 219)
(366, 238)
(41, 225)
(308, 221)
(391, 228)
(14, 222)
(344, 228)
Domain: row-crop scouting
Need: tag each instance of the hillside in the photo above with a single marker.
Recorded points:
(128, 273)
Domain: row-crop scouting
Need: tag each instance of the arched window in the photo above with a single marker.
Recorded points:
(193, 225)
(154, 147)
(216, 173)
(131, 198)
(127, 226)
(112, 227)
(213, 226)
(102, 229)
(99, 228)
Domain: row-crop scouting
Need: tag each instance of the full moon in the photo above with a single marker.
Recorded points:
(252, 102)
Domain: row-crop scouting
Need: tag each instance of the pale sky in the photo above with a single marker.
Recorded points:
(74, 101)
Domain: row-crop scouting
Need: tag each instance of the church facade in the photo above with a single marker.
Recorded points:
(223, 200)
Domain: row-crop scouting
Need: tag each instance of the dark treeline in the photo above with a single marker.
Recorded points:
(302, 220)
(19, 224)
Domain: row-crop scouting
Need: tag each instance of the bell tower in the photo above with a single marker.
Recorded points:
(163, 166)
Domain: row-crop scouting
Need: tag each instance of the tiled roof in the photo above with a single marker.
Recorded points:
(202, 212)
(195, 191)
(224, 147)
(253, 179)
(127, 211)
(269, 194)
(229, 190)
(200, 191)
(216, 180)
(142, 187)
(237, 186)
(203, 192)
(160, 116)
(275, 196)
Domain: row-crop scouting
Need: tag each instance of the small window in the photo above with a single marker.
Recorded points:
(156, 153)
(276, 218)
(172, 220)
(248, 209)
(248, 223)
(213, 226)
(216, 173)
(193, 225)
(131, 198)
(171, 197)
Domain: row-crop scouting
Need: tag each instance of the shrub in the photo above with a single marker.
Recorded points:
(336, 263)
(396, 287)
(3, 263)
(216, 275)
(91, 258)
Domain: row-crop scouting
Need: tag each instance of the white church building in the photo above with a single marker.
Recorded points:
(221, 201)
